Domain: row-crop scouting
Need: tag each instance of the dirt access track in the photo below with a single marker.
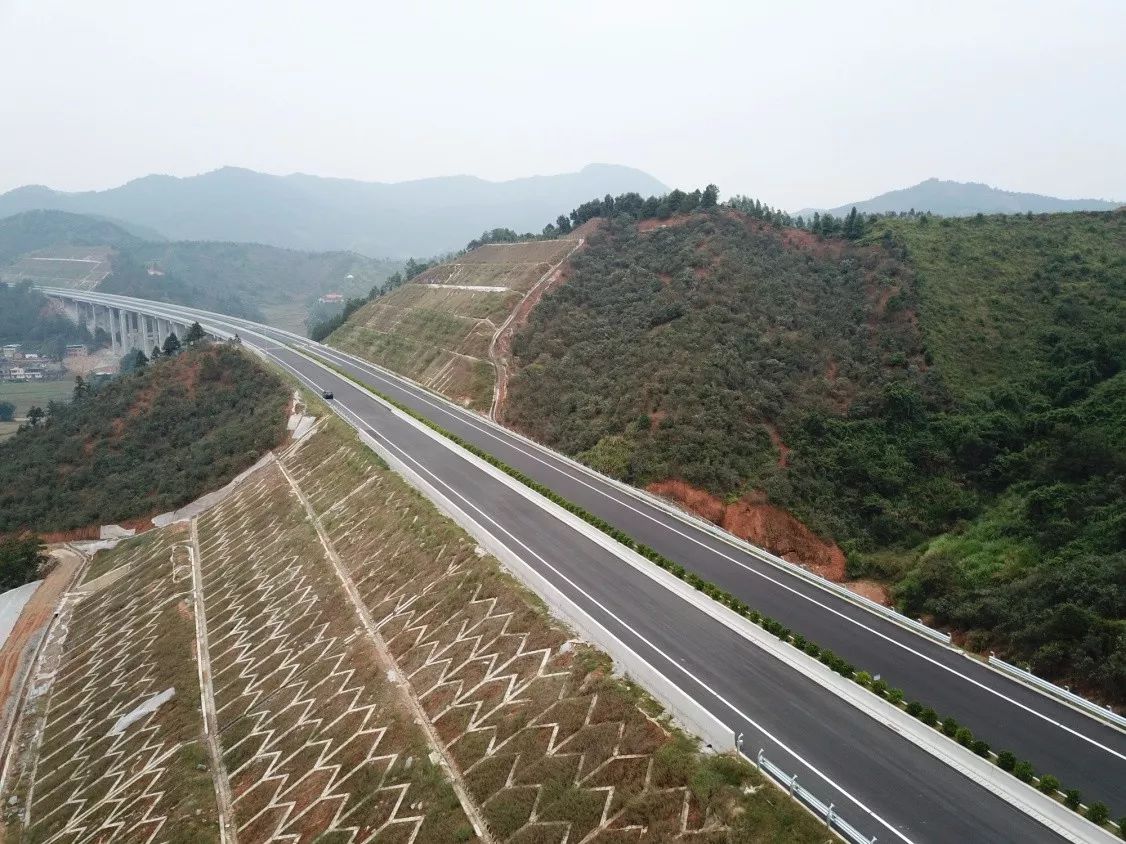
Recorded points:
(34, 618)
(500, 350)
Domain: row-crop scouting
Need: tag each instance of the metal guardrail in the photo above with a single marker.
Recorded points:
(800, 792)
(1104, 713)
(743, 545)
(849, 595)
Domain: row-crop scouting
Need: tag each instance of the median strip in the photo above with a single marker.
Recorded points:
(1096, 813)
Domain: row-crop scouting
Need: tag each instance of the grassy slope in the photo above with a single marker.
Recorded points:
(988, 288)
(950, 393)
(433, 594)
(143, 443)
(440, 337)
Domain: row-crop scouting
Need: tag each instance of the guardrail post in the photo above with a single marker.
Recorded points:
(829, 817)
(793, 782)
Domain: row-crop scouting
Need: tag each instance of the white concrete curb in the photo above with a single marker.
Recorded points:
(1066, 823)
(1029, 800)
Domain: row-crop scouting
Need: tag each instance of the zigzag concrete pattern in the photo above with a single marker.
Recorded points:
(315, 735)
(124, 645)
(313, 739)
(551, 748)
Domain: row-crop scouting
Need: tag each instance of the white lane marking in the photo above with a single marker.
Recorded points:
(359, 422)
(327, 351)
(765, 576)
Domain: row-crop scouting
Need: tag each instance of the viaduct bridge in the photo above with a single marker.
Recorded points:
(129, 330)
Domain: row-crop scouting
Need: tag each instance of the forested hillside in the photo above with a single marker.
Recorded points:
(942, 399)
(26, 318)
(143, 443)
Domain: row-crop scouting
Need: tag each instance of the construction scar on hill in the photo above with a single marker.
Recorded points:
(450, 327)
(323, 656)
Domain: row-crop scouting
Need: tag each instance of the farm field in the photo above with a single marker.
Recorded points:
(438, 328)
(371, 675)
(25, 394)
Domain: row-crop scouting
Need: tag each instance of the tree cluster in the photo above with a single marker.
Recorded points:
(680, 353)
(26, 318)
(21, 559)
(634, 206)
(143, 443)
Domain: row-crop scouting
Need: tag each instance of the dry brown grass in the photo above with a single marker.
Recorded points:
(314, 739)
(440, 337)
(552, 745)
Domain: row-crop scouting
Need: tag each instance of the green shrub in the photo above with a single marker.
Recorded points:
(1098, 813)
(929, 717)
(1048, 784)
(1006, 761)
(1072, 798)
(980, 747)
(1024, 771)
(895, 696)
(914, 708)
(1122, 826)
(949, 727)
(964, 736)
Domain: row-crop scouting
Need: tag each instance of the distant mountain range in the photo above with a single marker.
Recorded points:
(417, 218)
(962, 199)
(280, 286)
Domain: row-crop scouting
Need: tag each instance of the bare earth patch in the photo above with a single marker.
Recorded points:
(762, 524)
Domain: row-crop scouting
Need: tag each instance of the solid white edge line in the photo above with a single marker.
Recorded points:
(363, 426)
(506, 479)
(405, 384)
(854, 621)
(1020, 796)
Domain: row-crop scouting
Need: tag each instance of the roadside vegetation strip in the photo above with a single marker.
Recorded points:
(1023, 770)
(542, 729)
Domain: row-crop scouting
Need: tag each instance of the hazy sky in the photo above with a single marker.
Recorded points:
(800, 104)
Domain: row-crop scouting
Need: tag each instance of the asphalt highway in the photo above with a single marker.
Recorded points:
(881, 782)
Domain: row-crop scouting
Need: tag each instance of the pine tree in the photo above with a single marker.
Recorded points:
(171, 345)
(194, 335)
(710, 197)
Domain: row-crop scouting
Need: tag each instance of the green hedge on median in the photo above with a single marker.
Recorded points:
(1021, 769)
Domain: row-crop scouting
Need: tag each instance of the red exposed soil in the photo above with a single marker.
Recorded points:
(871, 589)
(36, 613)
(75, 535)
(776, 441)
(763, 524)
(831, 370)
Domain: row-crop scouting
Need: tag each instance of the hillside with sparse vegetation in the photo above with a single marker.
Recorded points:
(940, 402)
